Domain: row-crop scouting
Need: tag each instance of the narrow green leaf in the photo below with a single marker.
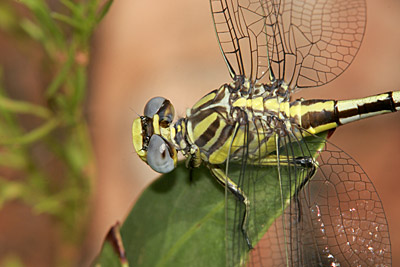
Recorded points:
(15, 106)
(49, 205)
(33, 30)
(12, 260)
(76, 152)
(91, 8)
(43, 16)
(104, 10)
(13, 159)
(10, 190)
(39, 34)
(80, 86)
(68, 20)
(61, 76)
(33, 135)
(76, 9)
(8, 18)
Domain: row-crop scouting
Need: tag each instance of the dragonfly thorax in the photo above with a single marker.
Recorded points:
(221, 123)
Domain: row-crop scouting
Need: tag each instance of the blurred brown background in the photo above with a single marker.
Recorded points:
(160, 48)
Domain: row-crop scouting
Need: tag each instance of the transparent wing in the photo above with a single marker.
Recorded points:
(305, 43)
(320, 216)
(268, 182)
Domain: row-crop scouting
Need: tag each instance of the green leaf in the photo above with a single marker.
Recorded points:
(61, 76)
(8, 18)
(11, 260)
(175, 221)
(33, 135)
(75, 8)
(44, 20)
(33, 30)
(13, 158)
(104, 10)
(10, 190)
(113, 250)
(108, 257)
(67, 19)
(23, 107)
(179, 222)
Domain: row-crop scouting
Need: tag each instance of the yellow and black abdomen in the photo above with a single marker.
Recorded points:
(321, 115)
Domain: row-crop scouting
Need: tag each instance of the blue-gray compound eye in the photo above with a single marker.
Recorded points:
(153, 106)
(161, 106)
(158, 155)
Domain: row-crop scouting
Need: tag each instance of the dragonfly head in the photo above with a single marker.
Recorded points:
(151, 135)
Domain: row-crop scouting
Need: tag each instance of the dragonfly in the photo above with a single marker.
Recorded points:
(269, 151)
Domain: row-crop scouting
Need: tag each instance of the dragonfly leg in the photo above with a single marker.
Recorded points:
(305, 162)
(272, 160)
(311, 165)
(224, 180)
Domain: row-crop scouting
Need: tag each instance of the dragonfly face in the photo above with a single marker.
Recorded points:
(151, 135)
